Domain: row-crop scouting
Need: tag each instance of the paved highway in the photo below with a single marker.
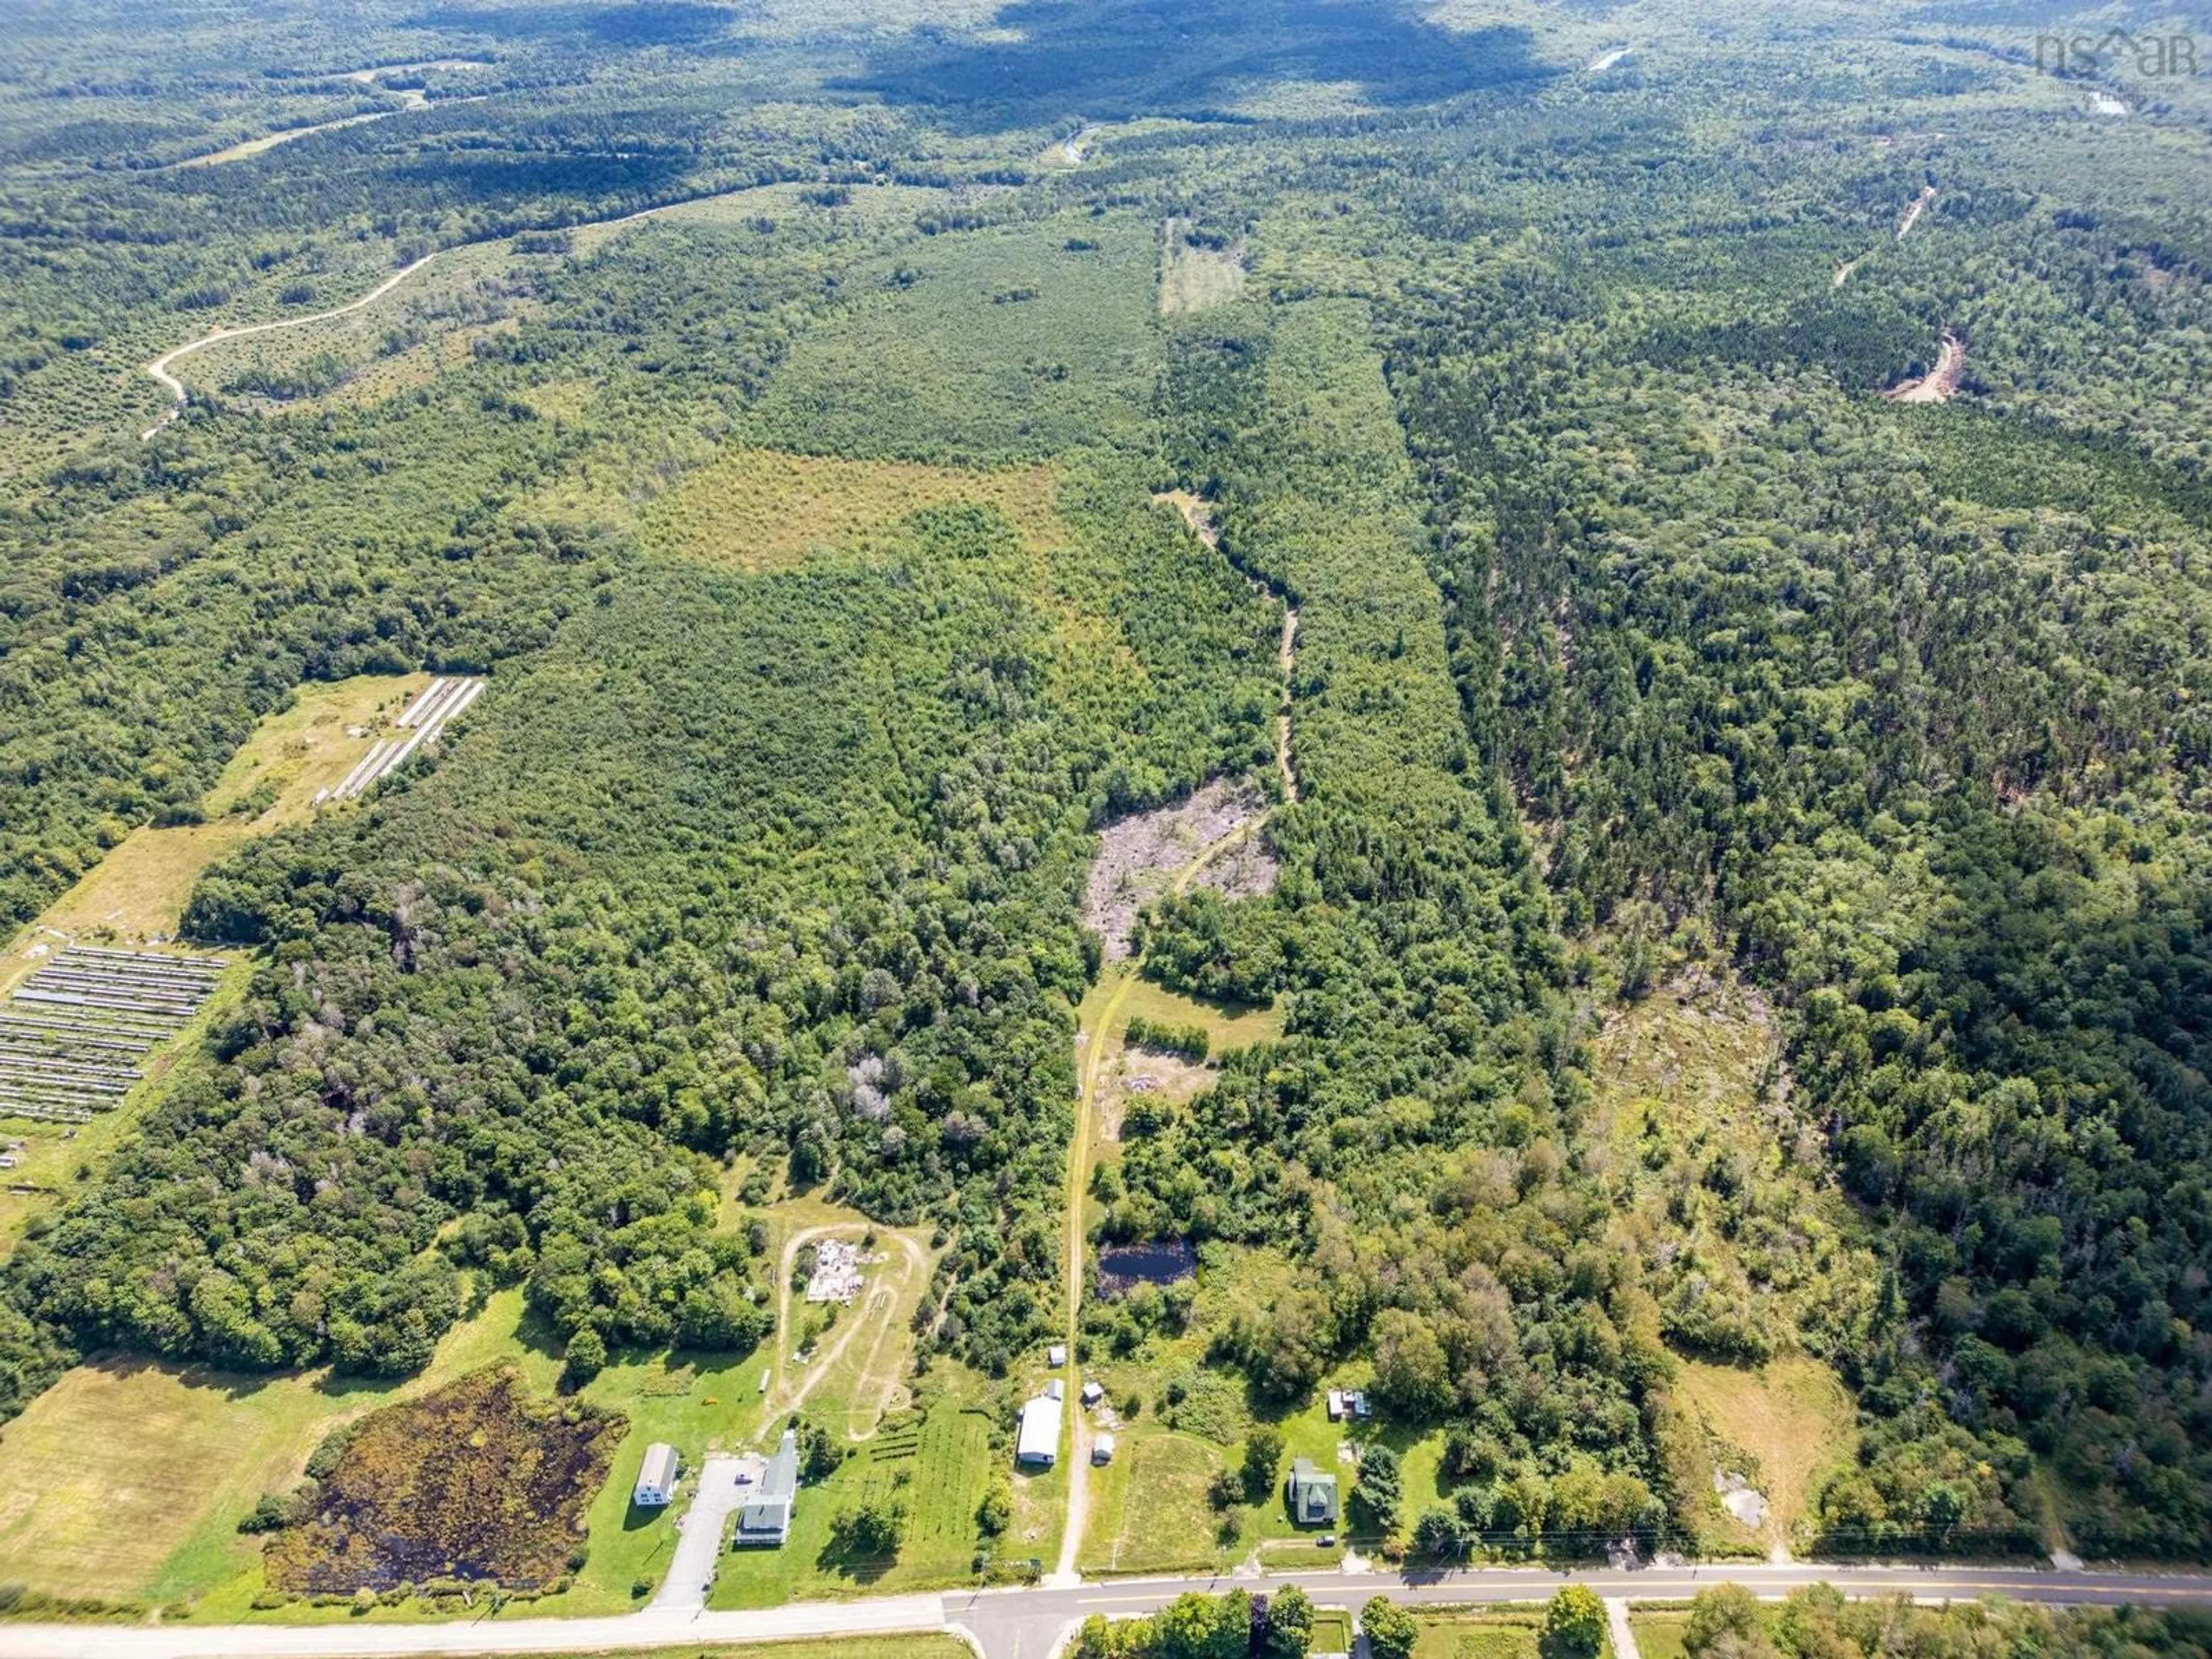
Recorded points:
(1027, 1623)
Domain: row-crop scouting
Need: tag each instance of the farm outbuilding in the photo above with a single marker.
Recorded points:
(1037, 1445)
(657, 1476)
(1102, 1450)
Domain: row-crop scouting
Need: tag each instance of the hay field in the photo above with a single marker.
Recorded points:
(111, 1471)
(138, 892)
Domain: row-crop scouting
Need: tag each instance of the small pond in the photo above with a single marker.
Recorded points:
(1123, 1267)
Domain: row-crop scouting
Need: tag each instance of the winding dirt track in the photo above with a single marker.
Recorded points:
(158, 368)
(1092, 1056)
(788, 1396)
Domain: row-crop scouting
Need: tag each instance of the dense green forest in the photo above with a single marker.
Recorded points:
(1641, 642)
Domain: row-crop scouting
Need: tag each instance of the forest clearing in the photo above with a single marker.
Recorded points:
(1938, 384)
(1196, 276)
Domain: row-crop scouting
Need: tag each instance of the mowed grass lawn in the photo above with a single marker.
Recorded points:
(1515, 1635)
(936, 1468)
(1149, 1511)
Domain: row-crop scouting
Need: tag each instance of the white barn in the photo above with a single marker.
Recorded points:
(1037, 1445)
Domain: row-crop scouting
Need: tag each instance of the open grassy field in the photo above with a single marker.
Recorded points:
(129, 1478)
(1792, 1414)
(1172, 1473)
(1517, 1634)
(138, 892)
(1194, 277)
(127, 1464)
(1226, 1027)
(760, 509)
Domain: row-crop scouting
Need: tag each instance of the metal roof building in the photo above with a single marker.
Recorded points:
(1037, 1445)
(1312, 1495)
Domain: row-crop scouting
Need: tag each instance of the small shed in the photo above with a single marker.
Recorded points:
(1336, 1405)
(656, 1477)
(1093, 1393)
(1056, 1355)
(1102, 1450)
(1055, 1389)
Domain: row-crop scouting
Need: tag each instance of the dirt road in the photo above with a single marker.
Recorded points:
(158, 368)
(784, 1396)
(1919, 206)
(1937, 385)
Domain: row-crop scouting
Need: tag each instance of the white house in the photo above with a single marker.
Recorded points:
(656, 1477)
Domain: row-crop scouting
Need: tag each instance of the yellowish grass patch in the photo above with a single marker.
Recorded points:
(1791, 1414)
(761, 509)
(139, 889)
(1193, 278)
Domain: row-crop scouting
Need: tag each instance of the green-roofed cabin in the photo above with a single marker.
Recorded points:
(1312, 1495)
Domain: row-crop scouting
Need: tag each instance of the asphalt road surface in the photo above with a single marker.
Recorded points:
(1027, 1623)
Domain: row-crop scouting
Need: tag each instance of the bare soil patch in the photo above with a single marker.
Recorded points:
(477, 1481)
(1139, 856)
(1938, 384)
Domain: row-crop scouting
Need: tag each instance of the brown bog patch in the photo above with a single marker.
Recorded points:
(478, 1481)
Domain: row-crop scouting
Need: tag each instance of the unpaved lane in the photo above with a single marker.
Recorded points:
(1941, 381)
(1094, 1051)
(1913, 214)
(784, 1396)
(158, 368)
